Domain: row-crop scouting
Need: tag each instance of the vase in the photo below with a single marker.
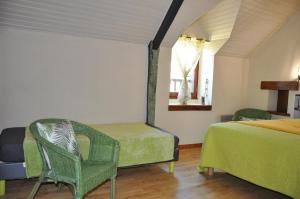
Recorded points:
(184, 94)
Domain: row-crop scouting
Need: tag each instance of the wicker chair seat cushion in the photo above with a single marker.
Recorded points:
(94, 173)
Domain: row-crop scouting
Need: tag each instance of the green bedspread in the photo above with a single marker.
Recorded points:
(140, 144)
(262, 156)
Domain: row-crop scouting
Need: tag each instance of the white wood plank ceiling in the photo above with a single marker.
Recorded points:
(189, 12)
(135, 21)
(256, 21)
(217, 23)
(236, 27)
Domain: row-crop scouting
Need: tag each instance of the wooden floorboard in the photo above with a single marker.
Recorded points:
(153, 181)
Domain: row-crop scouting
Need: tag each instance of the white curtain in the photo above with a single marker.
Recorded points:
(187, 52)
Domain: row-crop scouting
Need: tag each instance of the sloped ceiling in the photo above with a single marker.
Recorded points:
(216, 25)
(189, 12)
(135, 21)
(256, 21)
(235, 26)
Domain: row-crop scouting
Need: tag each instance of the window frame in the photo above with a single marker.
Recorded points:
(194, 94)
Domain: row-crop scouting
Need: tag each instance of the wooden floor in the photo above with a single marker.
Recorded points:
(151, 182)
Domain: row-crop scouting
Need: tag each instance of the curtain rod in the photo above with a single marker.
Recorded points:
(199, 39)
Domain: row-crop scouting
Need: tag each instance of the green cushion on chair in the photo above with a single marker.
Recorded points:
(251, 114)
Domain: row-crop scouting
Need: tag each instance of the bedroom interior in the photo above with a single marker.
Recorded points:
(166, 80)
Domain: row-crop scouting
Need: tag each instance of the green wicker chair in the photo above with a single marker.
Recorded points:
(251, 113)
(82, 175)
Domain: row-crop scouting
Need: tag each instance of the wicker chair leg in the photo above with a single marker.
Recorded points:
(113, 188)
(75, 192)
(34, 190)
(78, 197)
(60, 187)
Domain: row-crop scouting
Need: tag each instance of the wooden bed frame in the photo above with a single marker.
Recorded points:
(210, 171)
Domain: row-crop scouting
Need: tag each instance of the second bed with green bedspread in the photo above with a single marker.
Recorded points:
(266, 157)
(140, 144)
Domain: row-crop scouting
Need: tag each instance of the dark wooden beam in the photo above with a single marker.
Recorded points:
(282, 101)
(165, 25)
(283, 88)
(279, 85)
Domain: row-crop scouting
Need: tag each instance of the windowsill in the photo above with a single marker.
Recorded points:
(192, 105)
(189, 107)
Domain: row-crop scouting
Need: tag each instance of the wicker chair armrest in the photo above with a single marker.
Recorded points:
(102, 147)
(105, 151)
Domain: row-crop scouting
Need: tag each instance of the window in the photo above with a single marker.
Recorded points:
(191, 75)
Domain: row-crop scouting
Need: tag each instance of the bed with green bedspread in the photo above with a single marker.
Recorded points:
(266, 157)
(139, 144)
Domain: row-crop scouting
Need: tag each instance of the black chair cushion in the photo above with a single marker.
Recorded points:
(11, 144)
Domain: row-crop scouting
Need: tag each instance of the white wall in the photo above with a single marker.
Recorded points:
(99, 81)
(276, 59)
(54, 75)
(191, 126)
